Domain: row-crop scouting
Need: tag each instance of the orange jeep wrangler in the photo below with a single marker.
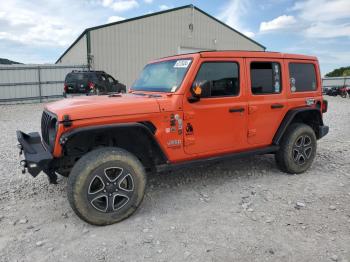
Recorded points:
(181, 111)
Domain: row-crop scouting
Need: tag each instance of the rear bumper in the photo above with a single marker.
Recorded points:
(322, 131)
(36, 157)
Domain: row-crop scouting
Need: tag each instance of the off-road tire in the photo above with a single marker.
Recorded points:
(87, 172)
(287, 155)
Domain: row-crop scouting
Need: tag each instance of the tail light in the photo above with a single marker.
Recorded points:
(324, 106)
(91, 85)
(65, 88)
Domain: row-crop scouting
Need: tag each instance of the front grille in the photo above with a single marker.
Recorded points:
(48, 128)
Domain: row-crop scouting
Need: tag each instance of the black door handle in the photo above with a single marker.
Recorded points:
(236, 110)
(274, 106)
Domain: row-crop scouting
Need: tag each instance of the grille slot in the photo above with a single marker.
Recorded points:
(46, 127)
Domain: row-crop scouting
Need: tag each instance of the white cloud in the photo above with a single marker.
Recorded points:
(281, 22)
(30, 27)
(120, 5)
(49, 25)
(326, 30)
(314, 19)
(148, 1)
(164, 7)
(324, 19)
(323, 10)
(114, 18)
(232, 14)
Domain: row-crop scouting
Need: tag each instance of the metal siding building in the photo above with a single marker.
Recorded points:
(77, 54)
(123, 48)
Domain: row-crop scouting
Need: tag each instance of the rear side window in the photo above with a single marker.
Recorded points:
(110, 80)
(103, 78)
(302, 77)
(265, 78)
(222, 77)
(72, 77)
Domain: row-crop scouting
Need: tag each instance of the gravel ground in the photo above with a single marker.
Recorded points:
(242, 210)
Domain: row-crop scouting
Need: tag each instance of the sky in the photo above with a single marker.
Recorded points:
(39, 31)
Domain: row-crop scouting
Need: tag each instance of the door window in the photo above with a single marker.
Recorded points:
(110, 80)
(103, 78)
(222, 79)
(265, 78)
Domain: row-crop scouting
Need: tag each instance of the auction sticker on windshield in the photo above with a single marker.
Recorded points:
(182, 63)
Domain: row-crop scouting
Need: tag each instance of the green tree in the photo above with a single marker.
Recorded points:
(346, 72)
(342, 71)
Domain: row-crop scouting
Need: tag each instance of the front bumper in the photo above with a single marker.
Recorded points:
(322, 131)
(36, 157)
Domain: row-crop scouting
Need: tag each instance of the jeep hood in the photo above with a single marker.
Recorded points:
(84, 107)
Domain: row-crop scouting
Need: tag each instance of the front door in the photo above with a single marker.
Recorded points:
(217, 122)
(267, 99)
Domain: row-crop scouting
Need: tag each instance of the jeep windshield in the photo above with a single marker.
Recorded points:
(165, 76)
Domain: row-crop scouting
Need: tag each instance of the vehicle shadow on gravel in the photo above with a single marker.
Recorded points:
(166, 185)
(216, 173)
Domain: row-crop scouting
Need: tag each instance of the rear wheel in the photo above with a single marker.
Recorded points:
(297, 149)
(106, 186)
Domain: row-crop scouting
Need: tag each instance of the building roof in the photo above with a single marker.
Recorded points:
(153, 14)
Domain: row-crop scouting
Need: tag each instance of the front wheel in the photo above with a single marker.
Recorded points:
(106, 186)
(297, 149)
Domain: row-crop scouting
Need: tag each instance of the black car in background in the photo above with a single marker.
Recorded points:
(91, 83)
(332, 91)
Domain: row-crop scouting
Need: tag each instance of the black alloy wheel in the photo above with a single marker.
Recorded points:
(110, 189)
(302, 149)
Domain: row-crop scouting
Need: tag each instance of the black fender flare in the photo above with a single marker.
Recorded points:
(288, 119)
(146, 127)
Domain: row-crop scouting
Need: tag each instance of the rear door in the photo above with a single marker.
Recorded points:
(103, 85)
(267, 99)
(112, 84)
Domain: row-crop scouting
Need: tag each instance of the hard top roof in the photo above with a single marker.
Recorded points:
(242, 54)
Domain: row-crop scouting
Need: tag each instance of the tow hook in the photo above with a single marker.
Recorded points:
(20, 147)
(23, 164)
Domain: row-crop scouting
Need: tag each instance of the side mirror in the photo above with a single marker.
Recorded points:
(198, 90)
